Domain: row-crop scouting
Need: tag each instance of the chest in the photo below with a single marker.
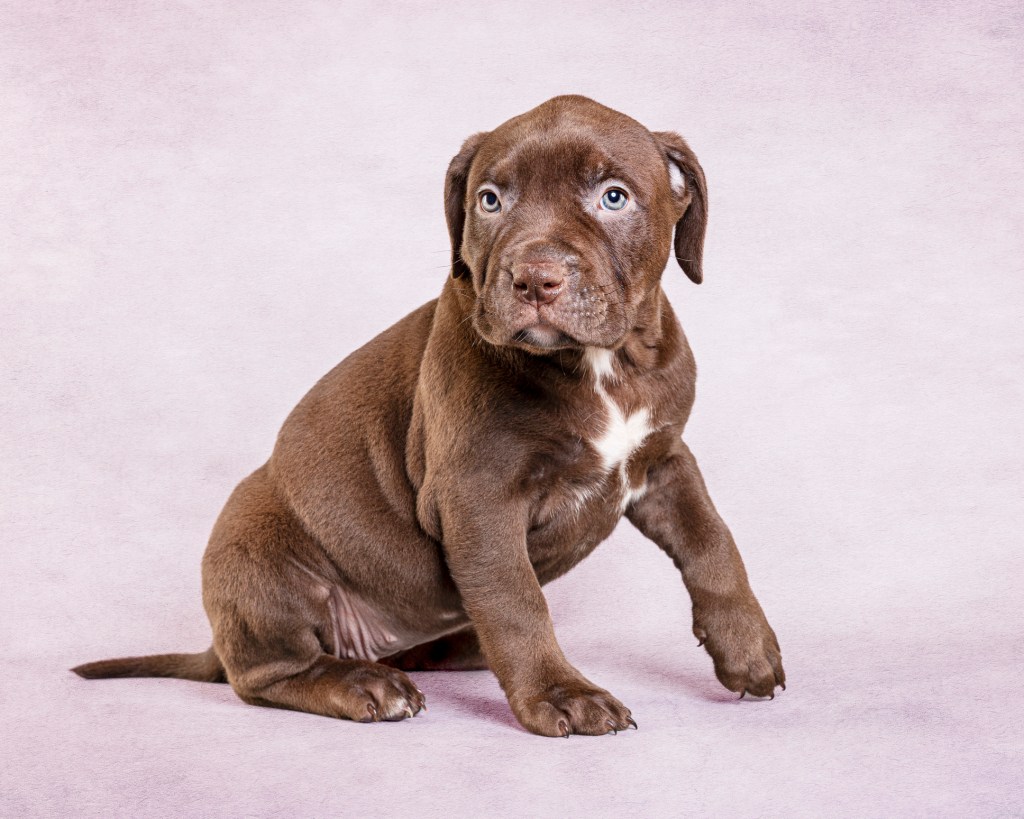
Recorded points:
(616, 428)
(585, 492)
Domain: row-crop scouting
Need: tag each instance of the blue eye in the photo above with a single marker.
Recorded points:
(614, 199)
(489, 202)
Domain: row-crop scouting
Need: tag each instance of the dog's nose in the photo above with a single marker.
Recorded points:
(538, 282)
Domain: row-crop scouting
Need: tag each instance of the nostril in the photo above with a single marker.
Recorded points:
(536, 283)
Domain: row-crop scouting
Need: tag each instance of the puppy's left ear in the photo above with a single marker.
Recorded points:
(455, 200)
(690, 192)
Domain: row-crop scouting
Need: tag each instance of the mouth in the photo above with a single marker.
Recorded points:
(544, 336)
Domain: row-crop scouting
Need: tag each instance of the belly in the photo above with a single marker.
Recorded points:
(361, 631)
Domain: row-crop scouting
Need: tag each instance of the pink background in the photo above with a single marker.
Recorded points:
(206, 205)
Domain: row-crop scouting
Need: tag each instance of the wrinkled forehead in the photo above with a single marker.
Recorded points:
(578, 151)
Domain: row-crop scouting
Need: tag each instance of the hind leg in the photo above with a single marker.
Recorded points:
(271, 618)
(454, 652)
(347, 689)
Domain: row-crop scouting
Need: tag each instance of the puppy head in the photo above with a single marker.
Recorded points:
(562, 221)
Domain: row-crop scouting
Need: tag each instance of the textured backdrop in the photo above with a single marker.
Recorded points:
(204, 206)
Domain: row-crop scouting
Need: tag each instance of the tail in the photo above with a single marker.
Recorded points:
(202, 667)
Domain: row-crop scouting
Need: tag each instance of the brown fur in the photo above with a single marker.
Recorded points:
(426, 488)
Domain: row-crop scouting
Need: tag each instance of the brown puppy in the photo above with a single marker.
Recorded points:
(426, 488)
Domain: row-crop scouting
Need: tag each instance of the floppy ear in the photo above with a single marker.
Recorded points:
(690, 192)
(455, 200)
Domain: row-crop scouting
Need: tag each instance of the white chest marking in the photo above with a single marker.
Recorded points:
(621, 435)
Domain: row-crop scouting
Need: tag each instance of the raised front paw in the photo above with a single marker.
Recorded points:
(743, 646)
(571, 707)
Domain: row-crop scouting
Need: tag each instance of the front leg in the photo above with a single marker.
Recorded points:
(485, 545)
(677, 514)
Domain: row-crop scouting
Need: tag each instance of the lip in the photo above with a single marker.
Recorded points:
(543, 336)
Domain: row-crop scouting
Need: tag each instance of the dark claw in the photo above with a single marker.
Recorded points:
(564, 726)
(743, 694)
(783, 686)
(632, 722)
(702, 642)
(771, 696)
(611, 726)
